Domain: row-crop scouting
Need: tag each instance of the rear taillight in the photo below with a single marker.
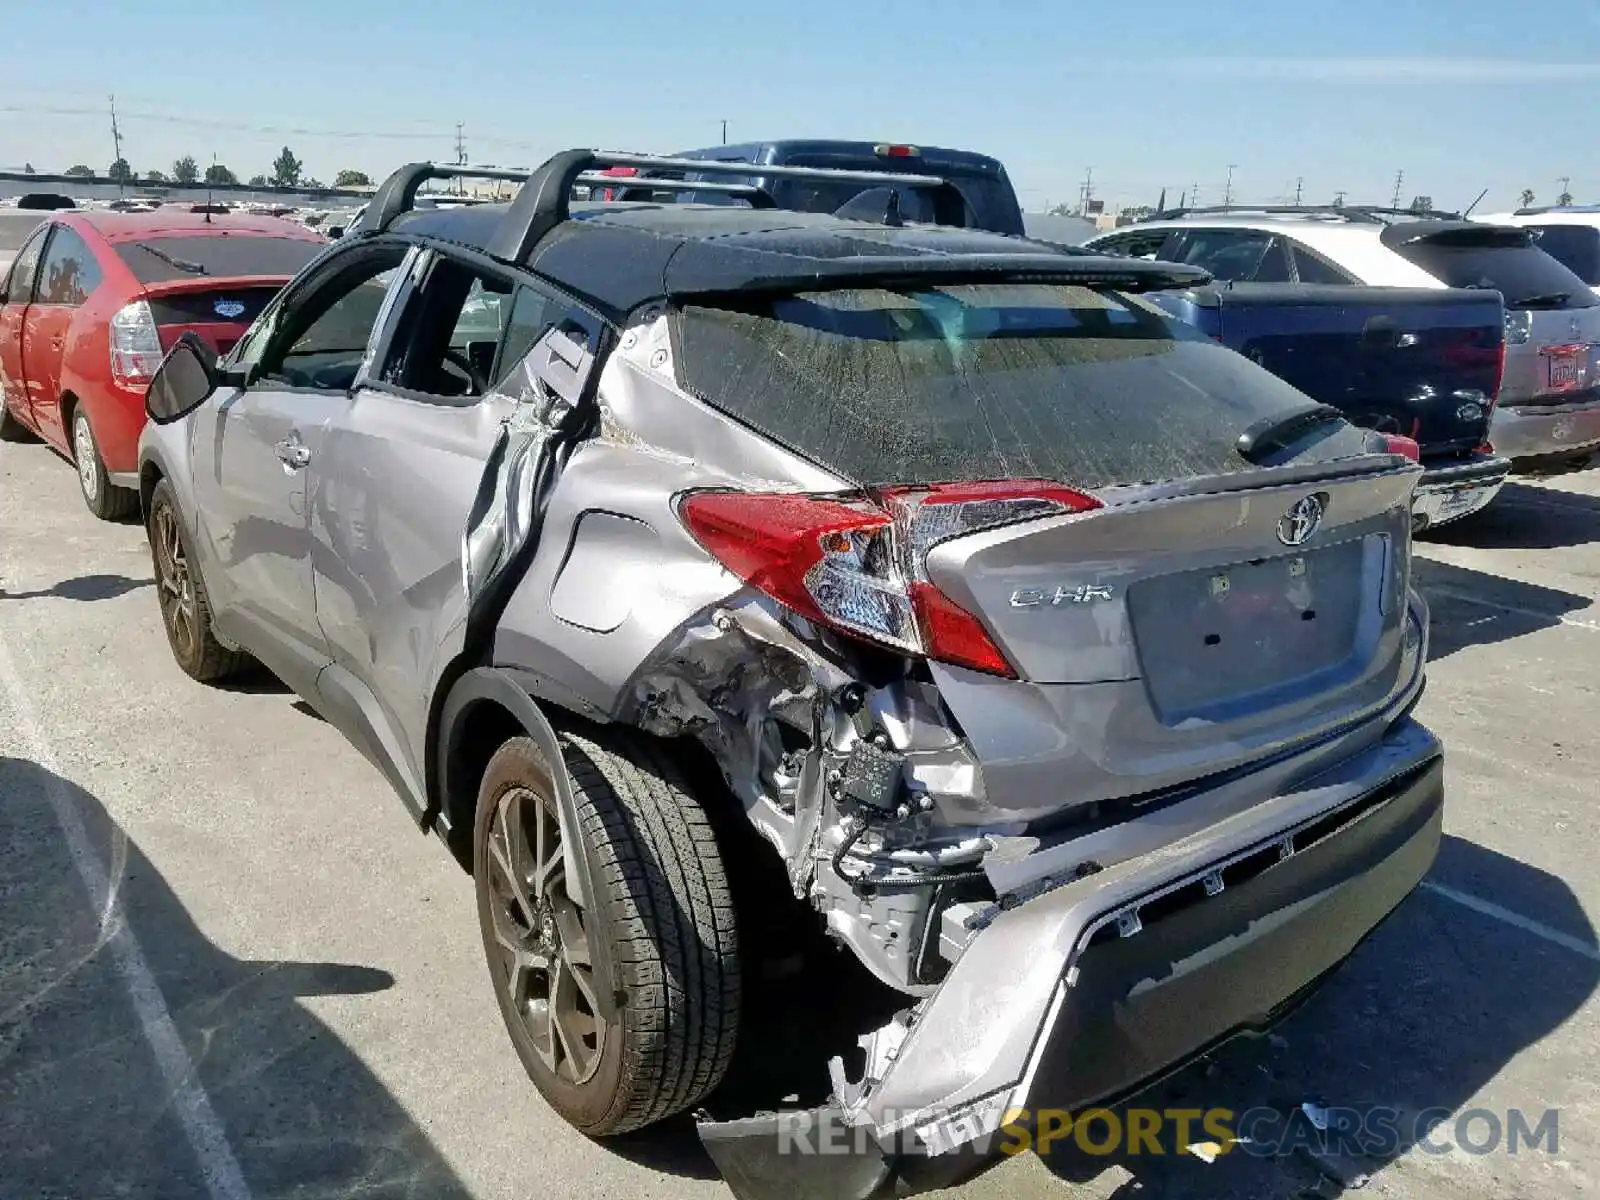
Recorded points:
(860, 567)
(135, 345)
(896, 151)
(1396, 443)
(625, 172)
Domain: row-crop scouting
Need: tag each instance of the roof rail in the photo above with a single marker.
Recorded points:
(1551, 208)
(544, 200)
(1349, 213)
(758, 197)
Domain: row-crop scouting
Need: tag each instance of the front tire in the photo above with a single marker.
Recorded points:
(661, 912)
(105, 500)
(181, 593)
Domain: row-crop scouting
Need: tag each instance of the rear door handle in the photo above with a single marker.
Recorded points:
(293, 453)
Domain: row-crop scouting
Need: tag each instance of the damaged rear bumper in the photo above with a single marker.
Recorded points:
(1089, 991)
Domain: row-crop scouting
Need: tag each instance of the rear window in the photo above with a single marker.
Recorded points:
(1576, 247)
(1524, 274)
(965, 383)
(164, 259)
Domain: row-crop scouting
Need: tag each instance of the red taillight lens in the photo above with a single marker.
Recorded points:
(1396, 443)
(897, 151)
(860, 568)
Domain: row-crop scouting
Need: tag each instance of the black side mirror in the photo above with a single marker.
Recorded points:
(184, 381)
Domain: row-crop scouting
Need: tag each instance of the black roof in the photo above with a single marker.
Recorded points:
(621, 255)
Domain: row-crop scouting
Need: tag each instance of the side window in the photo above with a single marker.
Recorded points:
(1229, 254)
(320, 339)
(532, 314)
(1146, 243)
(1313, 268)
(70, 272)
(19, 287)
(1274, 266)
(449, 334)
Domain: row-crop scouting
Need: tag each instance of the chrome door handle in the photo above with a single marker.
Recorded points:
(293, 453)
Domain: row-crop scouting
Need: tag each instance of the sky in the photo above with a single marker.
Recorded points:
(1459, 96)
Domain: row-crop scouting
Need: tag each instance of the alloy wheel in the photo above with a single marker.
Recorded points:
(88, 458)
(175, 583)
(545, 965)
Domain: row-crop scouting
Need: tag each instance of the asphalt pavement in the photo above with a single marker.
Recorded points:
(230, 966)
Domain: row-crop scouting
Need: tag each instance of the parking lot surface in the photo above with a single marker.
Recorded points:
(230, 966)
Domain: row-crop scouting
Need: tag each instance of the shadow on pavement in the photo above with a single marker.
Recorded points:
(1422, 1016)
(1524, 517)
(84, 587)
(89, 1110)
(1473, 608)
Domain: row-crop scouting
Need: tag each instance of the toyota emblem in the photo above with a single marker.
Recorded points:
(1302, 520)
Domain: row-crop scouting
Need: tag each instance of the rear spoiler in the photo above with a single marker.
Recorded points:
(1476, 234)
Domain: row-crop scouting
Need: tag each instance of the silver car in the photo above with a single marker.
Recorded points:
(750, 568)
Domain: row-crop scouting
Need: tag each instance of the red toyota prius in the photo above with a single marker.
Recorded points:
(93, 301)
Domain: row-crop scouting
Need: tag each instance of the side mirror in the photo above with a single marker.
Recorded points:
(184, 381)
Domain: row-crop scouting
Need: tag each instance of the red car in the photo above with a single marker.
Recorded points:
(93, 301)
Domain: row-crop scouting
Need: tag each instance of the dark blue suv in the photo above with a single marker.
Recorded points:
(981, 180)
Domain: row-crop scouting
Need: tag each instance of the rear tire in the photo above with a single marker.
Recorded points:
(105, 499)
(181, 593)
(662, 912)
(13, 430)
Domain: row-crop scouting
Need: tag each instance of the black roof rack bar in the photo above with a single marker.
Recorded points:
(543, 203)
(650, 183)
(398, 193)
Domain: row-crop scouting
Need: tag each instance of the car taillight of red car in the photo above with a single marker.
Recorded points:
(859, 566)
(135, 345)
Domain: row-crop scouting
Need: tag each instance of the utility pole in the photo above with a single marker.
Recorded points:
(1299, 186)
(1194, 195)
(1338, 199)
(1227, 191)
(724, 131)
(1398, 176)
(1086, 192)
(1565, 190)
(116, 141)
(461, 155)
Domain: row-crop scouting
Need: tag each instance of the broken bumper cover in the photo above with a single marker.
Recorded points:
(1449, 493)
(1090, 991)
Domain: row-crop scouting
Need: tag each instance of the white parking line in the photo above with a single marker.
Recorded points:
(1469, 598)
(224, 1180)
(1516, 920)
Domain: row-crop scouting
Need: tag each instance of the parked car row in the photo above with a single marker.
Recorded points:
(1547, 402)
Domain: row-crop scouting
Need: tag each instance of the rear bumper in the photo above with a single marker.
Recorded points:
(1096, 988)
(1534, 431)
(1448, 493)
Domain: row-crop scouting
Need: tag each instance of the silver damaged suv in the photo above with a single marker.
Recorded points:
(1056, 661)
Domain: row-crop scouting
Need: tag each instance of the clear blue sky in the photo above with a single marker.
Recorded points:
(1460, 96)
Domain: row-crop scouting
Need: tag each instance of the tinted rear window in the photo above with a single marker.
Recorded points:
(164, 259)
(1524, 275)
(983, 382)
(1576, 247)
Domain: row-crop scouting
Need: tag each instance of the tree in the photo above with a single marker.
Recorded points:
(185, 169)
(156, 176)
(315, 185)
(79, 171)
(1421, 205)
(217, 173)
(1564, 199)
(351, 179)
(286, 168)
(27, 168)
(120, 171)
(259, 181)
(1527, 197)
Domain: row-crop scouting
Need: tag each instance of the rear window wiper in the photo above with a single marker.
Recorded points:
(182, 264)
(1276, 433)
(1543, 300)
